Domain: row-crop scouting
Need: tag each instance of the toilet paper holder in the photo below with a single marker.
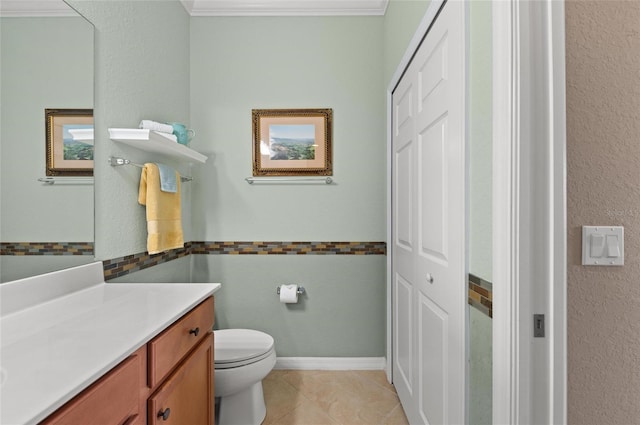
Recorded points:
(300, 290)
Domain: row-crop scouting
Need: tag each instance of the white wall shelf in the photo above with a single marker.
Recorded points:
(152, 141)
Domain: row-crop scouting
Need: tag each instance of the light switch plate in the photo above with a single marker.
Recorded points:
(602, 245)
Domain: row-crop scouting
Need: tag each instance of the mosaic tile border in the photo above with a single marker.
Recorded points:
(118, 267)
(290, 248)
(480, 291)
(46, 248)
(481, 294)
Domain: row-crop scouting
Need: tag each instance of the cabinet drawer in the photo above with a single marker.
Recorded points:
(113, 400)
(168, 348)
(187, 396)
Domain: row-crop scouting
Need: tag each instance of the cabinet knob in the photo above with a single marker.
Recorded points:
(164, 414)
(195, 331)
(429, 278)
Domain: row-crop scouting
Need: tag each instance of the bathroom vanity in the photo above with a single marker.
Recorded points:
(77, 350)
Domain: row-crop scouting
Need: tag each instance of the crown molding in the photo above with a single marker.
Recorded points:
(35, 8)
(285, 7)
(43, 8)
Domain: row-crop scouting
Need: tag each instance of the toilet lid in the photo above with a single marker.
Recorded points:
(239, 345)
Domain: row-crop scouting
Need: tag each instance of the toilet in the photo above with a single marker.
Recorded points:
(242, 359)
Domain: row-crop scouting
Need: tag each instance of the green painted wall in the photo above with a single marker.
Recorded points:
(46, 63)
(142, 72)
(400, 23)
(342, 313)
(238, 64)
(328, 62)
(480, 139)
(480, 201)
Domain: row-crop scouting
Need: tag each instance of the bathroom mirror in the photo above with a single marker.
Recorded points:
(46, 63)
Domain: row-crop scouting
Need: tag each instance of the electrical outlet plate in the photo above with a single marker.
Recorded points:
(602, 245)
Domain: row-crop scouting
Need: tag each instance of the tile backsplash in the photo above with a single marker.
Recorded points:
(481, 294)
(46, 248)
(118, 267)
(480, 291)
(290, 248)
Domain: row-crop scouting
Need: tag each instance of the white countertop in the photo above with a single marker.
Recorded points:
(54, 349)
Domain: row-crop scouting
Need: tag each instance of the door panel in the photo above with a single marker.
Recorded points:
(432, 170)
(433, 72)
(404, 111)
(403, 190)
(433, 354)
(403, 331)
(428, 200)
(403, 209)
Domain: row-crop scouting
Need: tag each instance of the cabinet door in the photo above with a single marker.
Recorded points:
(187, 396)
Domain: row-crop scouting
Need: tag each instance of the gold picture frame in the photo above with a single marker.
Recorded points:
(69, 142)
(292, 142)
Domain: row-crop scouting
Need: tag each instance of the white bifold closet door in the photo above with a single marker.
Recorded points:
(429, 236)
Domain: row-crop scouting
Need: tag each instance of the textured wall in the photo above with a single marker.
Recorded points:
(30, 210)
(300, 62)
(480, 180)
(603, 149)
(142, 72)
(480, 139)
(400, 23)
(342, 313)
(292, 62)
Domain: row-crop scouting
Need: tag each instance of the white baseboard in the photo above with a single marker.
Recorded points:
(331, 363)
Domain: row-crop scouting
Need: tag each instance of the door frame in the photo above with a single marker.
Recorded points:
(529, 211)
(529, 244)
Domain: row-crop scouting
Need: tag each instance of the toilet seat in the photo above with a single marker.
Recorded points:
(240, 347)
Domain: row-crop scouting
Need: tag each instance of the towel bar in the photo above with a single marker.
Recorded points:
(252, 180)
(66, 180)
(115, 161)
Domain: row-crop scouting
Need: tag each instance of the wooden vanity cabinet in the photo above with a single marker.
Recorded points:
(169, 380)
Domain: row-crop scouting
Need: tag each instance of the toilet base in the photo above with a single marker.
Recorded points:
(243, 408)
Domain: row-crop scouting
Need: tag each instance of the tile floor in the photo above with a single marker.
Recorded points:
(311, 397)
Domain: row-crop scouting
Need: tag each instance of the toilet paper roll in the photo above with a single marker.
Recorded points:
(289, 294)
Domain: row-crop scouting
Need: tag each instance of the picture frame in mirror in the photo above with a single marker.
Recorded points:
(69, 142)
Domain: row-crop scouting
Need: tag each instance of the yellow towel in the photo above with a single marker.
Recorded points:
(164, 223)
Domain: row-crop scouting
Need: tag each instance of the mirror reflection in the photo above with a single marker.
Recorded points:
(46, 64)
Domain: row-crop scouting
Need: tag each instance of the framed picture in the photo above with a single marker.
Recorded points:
(292, 142)
(69, 144)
